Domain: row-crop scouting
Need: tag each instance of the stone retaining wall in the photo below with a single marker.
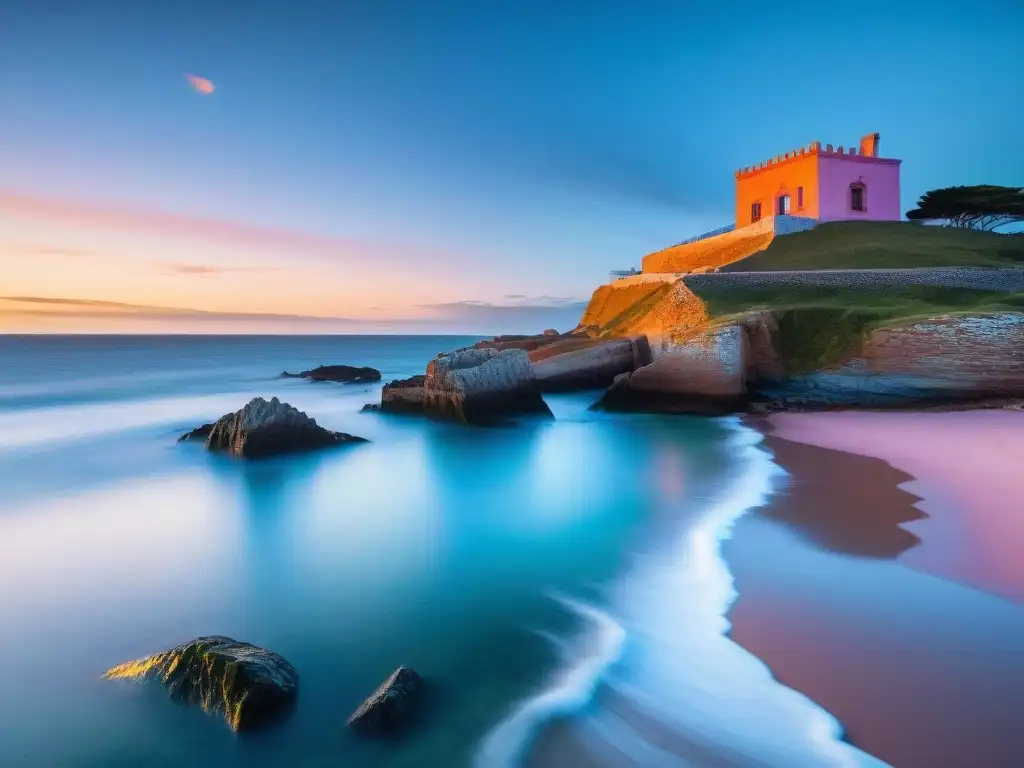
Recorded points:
(980, 278)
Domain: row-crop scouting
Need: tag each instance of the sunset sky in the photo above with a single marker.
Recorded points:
(386, 166)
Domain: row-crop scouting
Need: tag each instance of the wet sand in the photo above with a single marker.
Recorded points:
(872, 624)
(968, 469)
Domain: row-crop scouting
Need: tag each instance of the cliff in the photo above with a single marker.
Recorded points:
(867, 338)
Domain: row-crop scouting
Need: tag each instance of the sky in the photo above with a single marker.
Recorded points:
(447, 166)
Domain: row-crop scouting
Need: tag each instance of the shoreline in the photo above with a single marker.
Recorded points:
(710, 710)
(898, 611)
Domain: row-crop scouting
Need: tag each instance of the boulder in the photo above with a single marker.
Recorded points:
(403, 395)
(199, 433)
(482, 386)
(391, 705)
(582, 363)
(346, 374)
(247, 685)
(267, 428)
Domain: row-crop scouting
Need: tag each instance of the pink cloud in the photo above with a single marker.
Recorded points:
(245, 236)
(200, 84)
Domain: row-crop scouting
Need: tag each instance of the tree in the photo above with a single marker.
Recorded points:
(983, 207)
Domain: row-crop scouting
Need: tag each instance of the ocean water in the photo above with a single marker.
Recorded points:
(520, 570)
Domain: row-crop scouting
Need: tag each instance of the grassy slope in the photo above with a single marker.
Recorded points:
(819, 327)
(872, 245)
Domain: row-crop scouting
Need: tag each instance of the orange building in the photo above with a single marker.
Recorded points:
(821, 183)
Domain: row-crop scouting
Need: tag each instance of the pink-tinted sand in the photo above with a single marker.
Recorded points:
(968, 469)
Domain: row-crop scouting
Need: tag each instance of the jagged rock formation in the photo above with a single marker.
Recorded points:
(346, 374)
(264, 428)
(482, 386)
(245, 684)
(660, 307)
(391, 705)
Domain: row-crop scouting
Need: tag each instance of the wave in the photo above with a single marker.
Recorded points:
(571, 690)
(684, 675)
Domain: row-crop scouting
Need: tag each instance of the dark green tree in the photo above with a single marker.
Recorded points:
(982, 207)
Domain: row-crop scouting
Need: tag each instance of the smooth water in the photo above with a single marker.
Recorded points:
(514, 568)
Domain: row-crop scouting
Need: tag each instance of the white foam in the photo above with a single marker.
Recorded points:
(570, 691)
(683, 672)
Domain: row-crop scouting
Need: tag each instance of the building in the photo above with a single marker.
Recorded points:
(825, 184)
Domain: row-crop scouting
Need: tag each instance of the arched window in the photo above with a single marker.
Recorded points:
(783, 207)
(858, 197)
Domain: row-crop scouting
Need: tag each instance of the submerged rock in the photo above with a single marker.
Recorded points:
(403, 395)
(267, 428)
(482, 386)
(346, 374)
(246, 684)
(391, 705)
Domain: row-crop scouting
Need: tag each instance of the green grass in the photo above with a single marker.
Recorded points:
(879, 244)
(822, 326)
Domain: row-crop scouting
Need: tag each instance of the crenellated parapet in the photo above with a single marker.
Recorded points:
(868, 149)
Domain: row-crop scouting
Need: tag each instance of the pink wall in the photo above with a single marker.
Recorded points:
(881, 178)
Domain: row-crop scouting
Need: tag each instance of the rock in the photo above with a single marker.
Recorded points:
(346, 374)
(246, 684)
(199, 433)
(622, 396)
(403, 395)
(371, 407)
(582, 363)
(550, 332)
(482, 386)
(267, 428)
(391, 705)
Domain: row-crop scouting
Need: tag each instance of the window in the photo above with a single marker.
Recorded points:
(755, 212)
(783, 205)
(799, 198)
(857, 197)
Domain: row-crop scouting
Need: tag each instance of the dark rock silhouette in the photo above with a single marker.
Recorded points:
(246, 684)
(266, 428)
(391, 705)
(346, 374)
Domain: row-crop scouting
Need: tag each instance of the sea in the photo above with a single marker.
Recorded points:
(521, 570)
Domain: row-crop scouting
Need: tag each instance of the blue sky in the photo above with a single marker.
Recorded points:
(474, 164)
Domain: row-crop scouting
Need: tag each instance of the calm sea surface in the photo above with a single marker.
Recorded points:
(511, 567)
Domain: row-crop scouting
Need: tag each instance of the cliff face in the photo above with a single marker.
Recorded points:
(766, 357)
(660, 307)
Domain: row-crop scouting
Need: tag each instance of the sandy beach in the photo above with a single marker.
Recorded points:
(905, 623)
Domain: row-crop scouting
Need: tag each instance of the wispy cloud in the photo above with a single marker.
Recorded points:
(381, 252)
(43, 249)
(469, 316)
(206, 270)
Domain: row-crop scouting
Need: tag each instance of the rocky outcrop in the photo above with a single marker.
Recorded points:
(391, 706)
(265, 428)
(346, 374)
(583, 363)
(804, 359)
(482, 386)
(199, 433)
(247, 685)
(403, 395)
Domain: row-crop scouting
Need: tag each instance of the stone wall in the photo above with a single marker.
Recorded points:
(1007, 279)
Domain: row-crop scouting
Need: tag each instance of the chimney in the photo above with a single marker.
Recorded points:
(869, 145)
